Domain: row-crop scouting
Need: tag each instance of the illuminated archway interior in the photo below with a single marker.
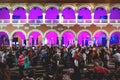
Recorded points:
(51, 38)
(4, 40)
(68, 38)
(100, 39)
(35, 38)
(84, 38)
(19, 38)
(115, 37)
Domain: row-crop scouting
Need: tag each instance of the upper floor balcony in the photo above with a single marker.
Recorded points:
(53, 16)
(59, 21)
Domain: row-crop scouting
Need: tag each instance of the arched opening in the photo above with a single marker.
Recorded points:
(52, 15)
(19, 14)
(51, 38)
(19, 39)
(35, 39)
(100, 39)
(4, 39)
(35, 14)
(68, 38)
(68, 15)
(84, 38)
(100, 14)
(4, 14)
(84, 13)
(115, 13)
(115, 37)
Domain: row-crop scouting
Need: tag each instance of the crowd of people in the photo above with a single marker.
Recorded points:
(74, 59)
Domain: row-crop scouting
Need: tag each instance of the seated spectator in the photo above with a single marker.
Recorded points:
(99, 71)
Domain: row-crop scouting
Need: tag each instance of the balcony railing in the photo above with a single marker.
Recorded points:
(114, 20)
(35, 21)
(52, 21)
(68, 21)
(4, 21)
(100, 20)
(19, 21)
(84, 21)
(58, 21)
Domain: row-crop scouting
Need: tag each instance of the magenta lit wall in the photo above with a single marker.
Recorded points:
(98, 37)
(115, 13)
(68, 38)
(52, 13)
(21, 12)
(68, 13)
(83, 36)
(4, 40)
(115, 37)
(35, 35)
(4, 13)
(35, 12)
(99, 12)
(51, 37)
(20, 36)
(85, 12)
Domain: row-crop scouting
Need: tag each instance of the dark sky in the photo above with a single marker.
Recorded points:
(62, 1)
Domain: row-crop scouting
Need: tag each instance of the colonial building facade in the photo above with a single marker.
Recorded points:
(33, 24)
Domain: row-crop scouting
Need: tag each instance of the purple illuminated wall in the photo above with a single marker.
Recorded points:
(115, 13)
(99, 12)
(85, 12)
(35, 12)
(52, 13)
(20, 36)
(36, 36)
(20, 12)
(115, 37)
(68, 38)
(68, 13)
(83, 36)
(98, 37)
(51, 37)
(4, 40)
(4, 13)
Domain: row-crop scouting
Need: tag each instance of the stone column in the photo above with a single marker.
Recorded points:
(27, 43)
(76, 42)
(10, 40)
(43, 41)
(59, 40)
(108, 42)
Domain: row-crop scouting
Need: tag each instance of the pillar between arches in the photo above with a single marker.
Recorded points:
(108, 42)
(10, 42)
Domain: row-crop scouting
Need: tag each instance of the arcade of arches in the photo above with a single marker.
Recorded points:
(66, 24)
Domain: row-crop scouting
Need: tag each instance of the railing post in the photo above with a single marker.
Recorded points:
(108, 18)
(11, 17)
(60, 19)
(92, 17)
(27, 15)
(76, 17)
(44, 18)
